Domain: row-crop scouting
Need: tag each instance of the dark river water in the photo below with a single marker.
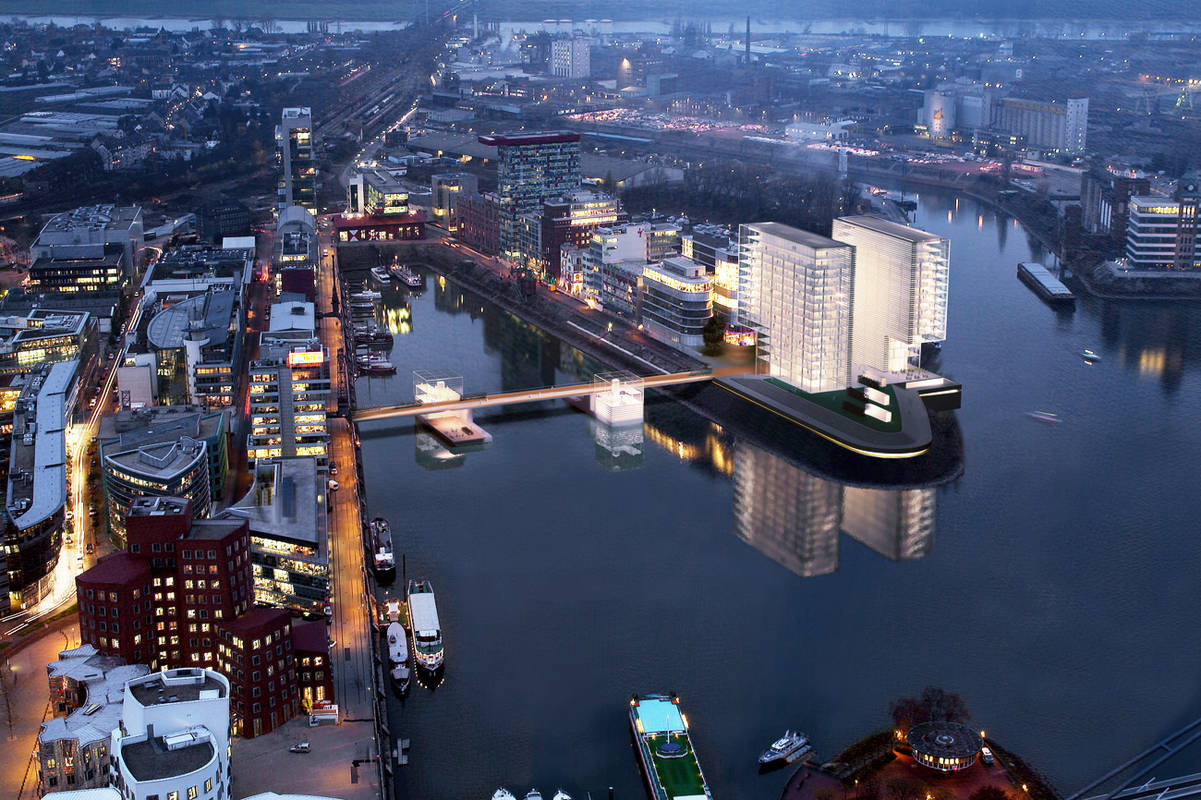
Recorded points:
(1054, 584)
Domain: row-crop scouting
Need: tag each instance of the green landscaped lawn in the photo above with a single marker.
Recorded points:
(834, 400)
(680, 776)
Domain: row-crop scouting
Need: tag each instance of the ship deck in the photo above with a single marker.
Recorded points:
(679, 773)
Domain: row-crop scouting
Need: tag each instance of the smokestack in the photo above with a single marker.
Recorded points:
(748, 39)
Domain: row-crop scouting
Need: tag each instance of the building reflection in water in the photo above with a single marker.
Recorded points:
(618, 448)
(794, 517)
(432, 454)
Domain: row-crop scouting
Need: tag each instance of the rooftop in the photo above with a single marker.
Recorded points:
(293, 316)
(104, 679)
(795, 235)
(99, 217)
(887, 227)
(116, 568)
(944, 739)
(37, 474)
(158, 506)
(112, 258)
(258, 618)
(658, 715)
(205, 317)
(16, 332)
(529, 138)
(133, 428)
(311, 637)
(206, 530)
(197, 261)
(178, 686)
(157, 757)
(286, 502)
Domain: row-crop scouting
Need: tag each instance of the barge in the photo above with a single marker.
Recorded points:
(1045, 285)
(665, 752)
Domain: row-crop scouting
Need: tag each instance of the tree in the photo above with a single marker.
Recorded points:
(934, 705)
(989, 793)
(904, 788)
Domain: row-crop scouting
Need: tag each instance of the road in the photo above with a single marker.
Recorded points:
(73, 558)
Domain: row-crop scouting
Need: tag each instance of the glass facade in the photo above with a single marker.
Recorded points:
(795, 293)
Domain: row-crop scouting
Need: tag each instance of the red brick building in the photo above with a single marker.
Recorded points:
(310, 646)
(115, 608)
(479, 221)
(170, 598)
(255, 652)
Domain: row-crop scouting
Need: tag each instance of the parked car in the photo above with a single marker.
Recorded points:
(333, 485)
(986, 756)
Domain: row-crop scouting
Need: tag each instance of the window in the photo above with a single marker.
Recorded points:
(172, 795)
(208, 786)
(193, 792)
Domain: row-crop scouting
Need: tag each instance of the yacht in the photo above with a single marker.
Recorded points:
(369, 295)
(370, 334)
(1049, 417)
(375, 364)
(398, 656)
(787, 749)
(381, 274)
(382, 559)
(561, 795)
(503, 794)
(406, 276)
(428, 649)
(1090, 356)
(533, 794)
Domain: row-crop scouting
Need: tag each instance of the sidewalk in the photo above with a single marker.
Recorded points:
(26, 704)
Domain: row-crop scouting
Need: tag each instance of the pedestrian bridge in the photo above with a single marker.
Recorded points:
(472, 401)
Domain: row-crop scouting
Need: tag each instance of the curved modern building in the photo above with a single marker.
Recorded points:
(170, 451)
(944, 746)
(37, 484)
(174, 737)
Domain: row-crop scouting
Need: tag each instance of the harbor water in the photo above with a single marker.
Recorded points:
(1053, 584)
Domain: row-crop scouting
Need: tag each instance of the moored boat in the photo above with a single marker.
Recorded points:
(375, 366)
(369, 295)
(503, 794)
(380, 274)
(383, 561)
(665, 752)
(1049, 417)
(428, 648)
(1090, 356)
(398, 656)
(533, 794)
(406, 276)
(787, 749)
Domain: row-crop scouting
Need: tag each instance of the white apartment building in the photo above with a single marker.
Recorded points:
(1161, 233)
(570, 58)
(901, 276)
(795, 292)
(174, 737)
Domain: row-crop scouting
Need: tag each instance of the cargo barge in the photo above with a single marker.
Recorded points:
(665, 752)
(1045, 285)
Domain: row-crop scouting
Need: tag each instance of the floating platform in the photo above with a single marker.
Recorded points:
(665, 752)
(1045, 285)
(455, 430)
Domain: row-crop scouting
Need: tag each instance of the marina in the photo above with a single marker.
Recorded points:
(1045, 285)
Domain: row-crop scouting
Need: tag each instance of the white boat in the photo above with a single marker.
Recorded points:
(375, 364)
(398, 647)
(503, 794)
(1049, 417)
(561, 795)
(787, 748)
(1090, 356)
(406, 276)
(368, 295)
(533, 794)
(428, 649)
(380, 274)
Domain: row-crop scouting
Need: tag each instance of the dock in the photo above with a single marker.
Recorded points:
(1045, 285)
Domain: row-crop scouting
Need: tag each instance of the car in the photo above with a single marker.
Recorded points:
(69, 515)
(90, 548)
(333, 485)
(986, 756)
(329, 610)
(79, 561)
(333, 468)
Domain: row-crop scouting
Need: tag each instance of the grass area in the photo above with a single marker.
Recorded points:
(681, 776)
(834, 400)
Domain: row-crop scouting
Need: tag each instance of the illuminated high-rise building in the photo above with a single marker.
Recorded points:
(795, 292)
(531, 167)
(294, 138)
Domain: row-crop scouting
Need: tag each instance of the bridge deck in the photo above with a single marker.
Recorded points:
(534, 395)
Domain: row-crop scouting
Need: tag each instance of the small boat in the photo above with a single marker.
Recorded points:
(787, 749)
(1049, 417)
(382, 559)
(375, 366)
(1090, 357)
(561, 795)
(369, 295)
(372, 335)
(380, 274)
(533, 794)
(503, 794)
(406, 276)
(401, 676)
